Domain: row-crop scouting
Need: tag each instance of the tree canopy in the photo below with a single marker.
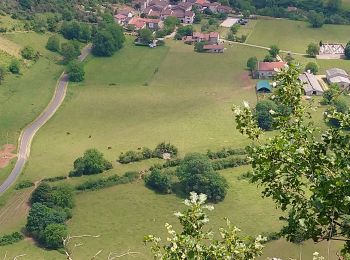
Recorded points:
(196, 173)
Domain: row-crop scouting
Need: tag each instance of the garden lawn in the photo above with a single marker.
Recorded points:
(295, 35)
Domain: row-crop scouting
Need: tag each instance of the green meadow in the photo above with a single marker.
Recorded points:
(141, 97)
(295, 36)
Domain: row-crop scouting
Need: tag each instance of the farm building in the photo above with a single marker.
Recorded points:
(331, 51)
(214, 48)
(212, 38)
(338, 76)
(269, 69)
(311, 84)
(263, 86)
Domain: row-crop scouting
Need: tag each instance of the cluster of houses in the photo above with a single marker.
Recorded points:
(211, 39)
(157, 11)
(312, 85)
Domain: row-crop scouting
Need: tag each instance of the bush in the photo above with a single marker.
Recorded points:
(24, 184)
(15, 67)
(163, 148)
(158, 181)
(313, 49)
(263, 115)
(11, 239)
(196, 173)
(75, 71)
(54, 179)
(146, 153)
(53, 235)
(312, 67)
(53, 43)
(106, 182)
(108, 39)
(225, 152)
(40, 216)
(42, 194)
(59, 196)
(229, 162)
(130, 156)
(70, 50)
(29, 53)
(92, 162)
(341, 107)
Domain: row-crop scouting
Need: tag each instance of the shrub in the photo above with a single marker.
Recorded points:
(196, 173)
(312, 67)
(11, 238)
(165, 148)
(24, 184)
(230, 162)
(106, 182)
(75, 71)
(53, 43)
(53, 179)
(146, 153)
(29, 53)
(263, 115)
(92, 162)
(225, 152)
(40, 216)
(158, 181)
(53, 235)
(42, 194)
(130, 156)
(15, 67)
(313, 49)
(341, 107)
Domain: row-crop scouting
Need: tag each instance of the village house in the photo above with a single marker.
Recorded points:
(214, 48)
(211, 38)
(339, 77)
(311, 84)
(269, 69)
(224, 9)
(141, 23)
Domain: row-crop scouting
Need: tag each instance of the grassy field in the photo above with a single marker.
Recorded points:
(141, 97)
(23, 97)
(295, 36)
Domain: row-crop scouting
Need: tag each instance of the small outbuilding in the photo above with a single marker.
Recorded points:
(311, 84)
(263, 86)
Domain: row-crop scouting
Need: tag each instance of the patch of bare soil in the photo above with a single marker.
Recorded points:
(246, 81)
(6, 155)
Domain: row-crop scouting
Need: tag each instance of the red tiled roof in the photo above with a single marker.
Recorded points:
(213, 47)
(270, 66)
(120, 16)
(139, 23)
(201, 2)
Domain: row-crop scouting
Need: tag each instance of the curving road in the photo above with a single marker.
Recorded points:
(29, 131)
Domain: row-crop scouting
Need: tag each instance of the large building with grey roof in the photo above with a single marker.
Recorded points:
(311, 84)
(339, 77)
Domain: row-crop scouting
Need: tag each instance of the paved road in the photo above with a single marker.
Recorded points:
(29, 131)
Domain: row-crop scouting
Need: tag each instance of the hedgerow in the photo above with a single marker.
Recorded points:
(106, 182)
(11, 238)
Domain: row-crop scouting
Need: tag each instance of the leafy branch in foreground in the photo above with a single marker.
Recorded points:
(303, 168)
(196, 243)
